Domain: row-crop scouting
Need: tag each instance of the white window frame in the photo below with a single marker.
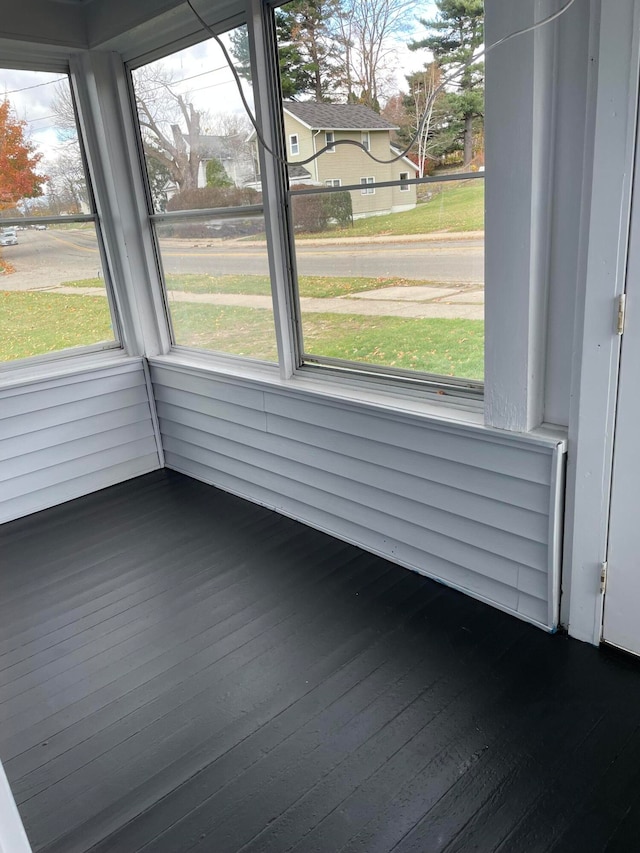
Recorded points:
(294, 146)
(368, 190)
(365, 139)
(330, 142)
(333, 182)
(523, 90)
(45, 363)
(154, 218)
(404, 188)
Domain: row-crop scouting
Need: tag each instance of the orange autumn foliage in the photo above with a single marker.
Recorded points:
(18, 160)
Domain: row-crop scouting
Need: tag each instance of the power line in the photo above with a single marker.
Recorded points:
(40, 118)
(184, 79)
(35, 86)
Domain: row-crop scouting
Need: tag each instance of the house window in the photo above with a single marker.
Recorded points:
(294, 144)
(368, 190)
(329, 139)
(333, 182)
(365, 139)
(55, 287)
(404, 187)
(209, 233)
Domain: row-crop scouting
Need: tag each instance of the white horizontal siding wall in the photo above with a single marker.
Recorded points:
(472, 508)
(70, 435)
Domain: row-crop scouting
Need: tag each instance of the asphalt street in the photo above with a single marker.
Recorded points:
(45, 259)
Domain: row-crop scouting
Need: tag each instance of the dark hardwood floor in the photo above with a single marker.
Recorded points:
(181, 670)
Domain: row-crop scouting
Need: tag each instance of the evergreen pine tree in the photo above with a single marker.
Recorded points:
(455, 36)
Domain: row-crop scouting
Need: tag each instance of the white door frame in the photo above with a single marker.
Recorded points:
(620, 625)
(615, 50)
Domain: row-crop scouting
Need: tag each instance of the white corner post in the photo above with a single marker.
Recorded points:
(102, 93)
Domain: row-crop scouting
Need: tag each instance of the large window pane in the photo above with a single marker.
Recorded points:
(388, 276)
(200, 154)
(52, 293)
(404, 290)
(52, 284)
(217, 279)
(41, 168)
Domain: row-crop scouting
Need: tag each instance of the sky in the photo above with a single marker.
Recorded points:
(31, 95)
(205, 80)
(210, 86)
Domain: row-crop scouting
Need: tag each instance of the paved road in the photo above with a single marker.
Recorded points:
(45, 259)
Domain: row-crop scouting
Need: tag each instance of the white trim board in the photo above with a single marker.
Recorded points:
(13, 838)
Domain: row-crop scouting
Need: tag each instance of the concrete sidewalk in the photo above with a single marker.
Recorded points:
(422, 301)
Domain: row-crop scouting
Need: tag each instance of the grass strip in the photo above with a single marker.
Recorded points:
(259, 285)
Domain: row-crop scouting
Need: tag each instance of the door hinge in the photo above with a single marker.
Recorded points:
(622, 308)
(603, 577)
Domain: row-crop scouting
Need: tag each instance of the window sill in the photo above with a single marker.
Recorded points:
(15, 374)
(356, 392)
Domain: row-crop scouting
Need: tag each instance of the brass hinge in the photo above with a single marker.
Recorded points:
(622, 307)
(603, 577)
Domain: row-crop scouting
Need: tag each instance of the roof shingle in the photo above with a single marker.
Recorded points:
(337, 116)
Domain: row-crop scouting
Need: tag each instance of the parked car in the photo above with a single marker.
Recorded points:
(8, 238)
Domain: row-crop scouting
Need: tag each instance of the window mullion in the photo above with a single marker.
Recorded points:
(520, 97)
(268, 108)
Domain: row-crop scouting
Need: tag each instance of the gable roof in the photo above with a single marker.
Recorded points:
(404, 159)
(336, 116)
(296, 171)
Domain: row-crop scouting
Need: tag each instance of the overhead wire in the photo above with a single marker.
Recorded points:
(34, 86)
(425, 114)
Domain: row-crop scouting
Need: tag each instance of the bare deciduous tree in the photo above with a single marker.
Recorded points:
(66, 181)
(423, 87)
(170, 124)
(369, 31)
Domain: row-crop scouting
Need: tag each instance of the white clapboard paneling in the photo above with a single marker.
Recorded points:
(68, 436)
(473, 508)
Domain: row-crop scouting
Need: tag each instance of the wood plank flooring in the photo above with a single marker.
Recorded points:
(182, 670)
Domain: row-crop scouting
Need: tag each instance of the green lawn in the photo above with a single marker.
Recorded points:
(38, 323)
(446, 347)
(458, 207)
(316, 286)
(225, 328)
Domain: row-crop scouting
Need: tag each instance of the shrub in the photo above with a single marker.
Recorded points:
(204, 197)
(339, 207)
(216, 174)
(309, 211)
(312, 213)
